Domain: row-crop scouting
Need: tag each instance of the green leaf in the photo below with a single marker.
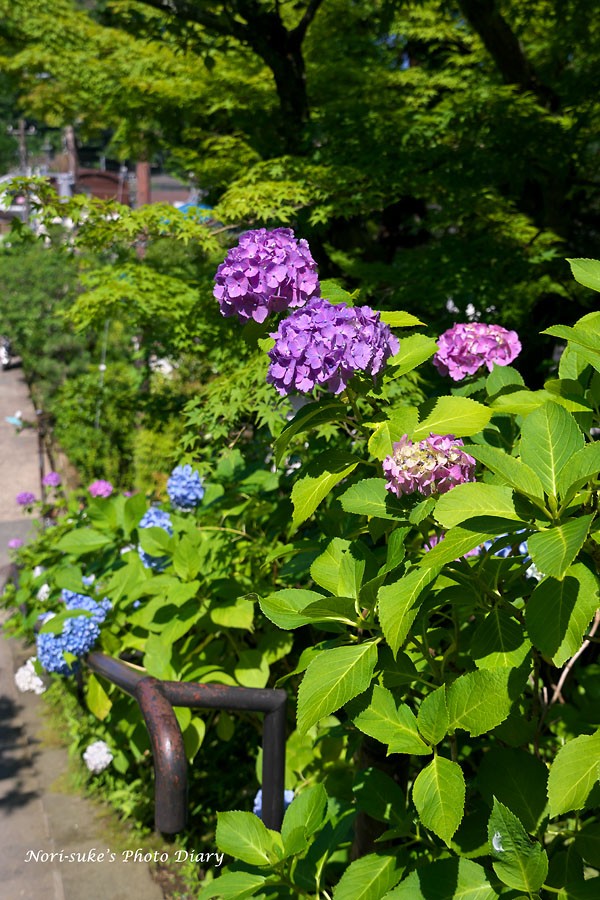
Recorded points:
(302, 818)
(98, 701)
(478, 701)
(586, 272)
(252, 669)
(574, 773)
(310, 416)
(332, 678)
(515, 778)
(519, 475)
(432, 717)
(157, 658)
(587, 843)
(81, 541)
(439, 796)
(391, 725)
(580, 468)
(520, 863)
(399, 604)
(549, 438)
(379, 796)
(238, 613)
(244, 836)
(322, 475)
(459, 416)
(558, 613)
(399, 319)
(521, 403)
(325, 570)
(400, 422)
(501, 377)
(186, 559)
(468, 501)
(445, 879)
(233, 886)
(499, 641)
(414, 350)
(456, 543)
(291, 608)
(370, 498)
(554, 549)
(369, 878)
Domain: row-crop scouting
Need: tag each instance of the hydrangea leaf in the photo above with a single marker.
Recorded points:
(244, 836)
(457, 541)
(559, 612)
(98, 701)
(439, 795)
(471, 500)
(322, 475)
(549, 438)
(399, 423)
(81, 541)
(517, 778)
(554, 549)
(291, 608)
(303, 817)
(432, 717)
(478, 701)
(459, 416)
(501, 377)
(325, 570)
(369, 878)
(332, 679)
(370, 498)
(499, 641)
(393, 726)
(520, 863)
(581, 468)
(379, 796)
(586, 272)
(309, 416)
(445, 879)
(399, 604)
(519, 475)
(574, 773)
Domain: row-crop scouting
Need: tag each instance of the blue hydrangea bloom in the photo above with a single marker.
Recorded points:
(78, 636)
(155, 518)
(184, 488)
(288, 796)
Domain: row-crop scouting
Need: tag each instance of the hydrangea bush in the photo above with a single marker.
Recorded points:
(446, 734)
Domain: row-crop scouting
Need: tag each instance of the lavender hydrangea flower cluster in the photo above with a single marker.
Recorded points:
(185, 488)
(100, 488)
(269, 271)
(97, 757)
(52, 479)
(326, 344)
(25, 498)
(78, 636)
(154, 518)
(433, 466)
(15, 543)
(464, 348)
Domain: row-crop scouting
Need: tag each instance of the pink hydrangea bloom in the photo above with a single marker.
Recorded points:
(464, 348)
(52, 479)
(433, 466)
(100, 488)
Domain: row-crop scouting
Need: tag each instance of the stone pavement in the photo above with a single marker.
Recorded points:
(37, 817)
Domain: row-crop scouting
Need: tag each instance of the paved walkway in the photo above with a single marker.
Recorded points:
(37, 818)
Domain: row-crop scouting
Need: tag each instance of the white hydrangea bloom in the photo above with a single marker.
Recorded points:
(97, 757)
(39, 570)
(43, 593)
(27, 679)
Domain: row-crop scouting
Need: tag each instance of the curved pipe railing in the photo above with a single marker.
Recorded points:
(156, 699)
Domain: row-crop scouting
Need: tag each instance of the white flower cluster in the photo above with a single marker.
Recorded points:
(97, 757)
(43, 593)
(27, 679)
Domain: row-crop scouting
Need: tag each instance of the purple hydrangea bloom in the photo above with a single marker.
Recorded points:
(288, 796)
(433, 466)
(184, 488)
(78, 636)
(464, 348)
(15, 543)
(268, 271)
(52, 479)
(25, 498)
(326, 344)
(100, 488)
(155, 518)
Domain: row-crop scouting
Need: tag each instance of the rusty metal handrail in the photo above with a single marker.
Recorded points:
(157, 698)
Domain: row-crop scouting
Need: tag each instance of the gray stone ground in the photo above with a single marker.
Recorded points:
(35, 813)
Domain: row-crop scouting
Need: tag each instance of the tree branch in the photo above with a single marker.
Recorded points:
(505, 49)
(309, 13)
